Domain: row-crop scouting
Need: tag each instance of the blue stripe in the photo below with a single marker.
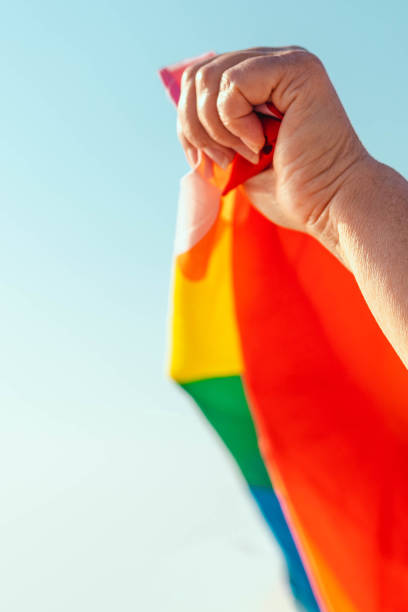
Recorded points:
(269, 505)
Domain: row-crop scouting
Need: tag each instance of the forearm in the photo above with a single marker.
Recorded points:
(371, 220)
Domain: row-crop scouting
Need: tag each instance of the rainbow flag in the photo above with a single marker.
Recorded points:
(272, 338)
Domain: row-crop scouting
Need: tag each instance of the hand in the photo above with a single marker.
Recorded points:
(318, 154)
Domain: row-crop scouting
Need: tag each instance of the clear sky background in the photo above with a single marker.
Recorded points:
(114, 495)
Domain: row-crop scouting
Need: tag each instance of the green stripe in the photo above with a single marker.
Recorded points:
(223, 402)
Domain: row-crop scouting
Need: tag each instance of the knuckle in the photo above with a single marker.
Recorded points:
(222, 107)
(203, 109)
(222, 101)
(205, 76)
(188, 75)
(228, 87)
(228, 79)
(313, 62)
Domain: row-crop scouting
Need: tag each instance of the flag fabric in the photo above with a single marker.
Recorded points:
(272, 338)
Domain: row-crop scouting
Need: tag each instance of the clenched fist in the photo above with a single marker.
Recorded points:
(318, 154)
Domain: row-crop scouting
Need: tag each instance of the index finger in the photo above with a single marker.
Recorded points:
(251, 83)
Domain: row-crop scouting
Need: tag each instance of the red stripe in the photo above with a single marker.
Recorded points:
(343, 469)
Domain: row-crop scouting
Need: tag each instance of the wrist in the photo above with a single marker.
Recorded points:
(350, 206)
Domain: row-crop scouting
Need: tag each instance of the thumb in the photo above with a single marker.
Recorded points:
(261, 190)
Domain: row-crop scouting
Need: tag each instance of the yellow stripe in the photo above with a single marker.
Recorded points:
(204, 333)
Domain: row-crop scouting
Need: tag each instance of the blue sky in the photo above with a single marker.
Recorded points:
(104, 463)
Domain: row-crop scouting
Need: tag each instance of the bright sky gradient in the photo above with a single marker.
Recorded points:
(114, 495)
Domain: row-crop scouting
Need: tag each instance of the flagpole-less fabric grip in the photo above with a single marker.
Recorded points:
(272, 338)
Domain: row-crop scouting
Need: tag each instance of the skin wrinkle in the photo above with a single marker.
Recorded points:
(292, 86)
(314, 161)
(336, 179)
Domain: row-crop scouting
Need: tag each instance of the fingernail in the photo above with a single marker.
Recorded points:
(192, 156)
(252, 157)
(220, 158)
(253, 146)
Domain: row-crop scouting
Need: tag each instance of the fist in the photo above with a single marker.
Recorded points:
(318, 154)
